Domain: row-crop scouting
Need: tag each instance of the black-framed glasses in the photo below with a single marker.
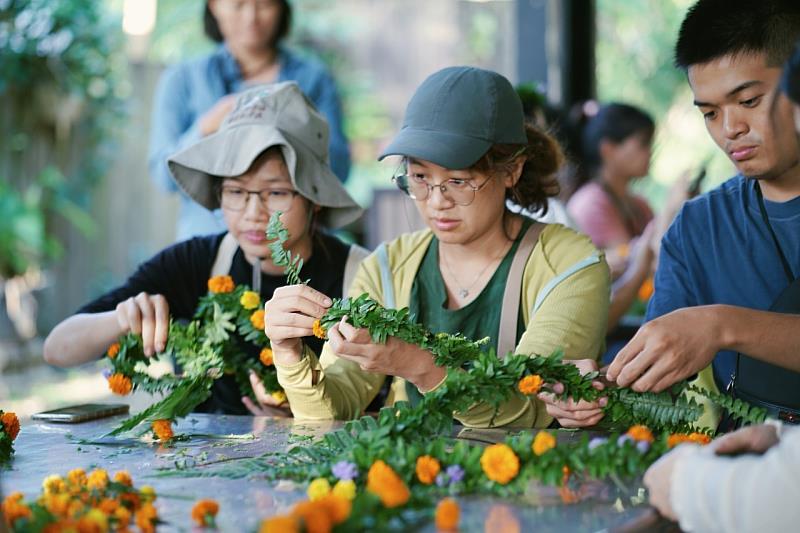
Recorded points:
(458, 191)
(236, 198)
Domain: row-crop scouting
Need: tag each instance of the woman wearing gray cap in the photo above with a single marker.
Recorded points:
(270, 154)
(479, 269)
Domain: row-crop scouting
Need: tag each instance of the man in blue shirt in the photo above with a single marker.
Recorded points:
(720, 268)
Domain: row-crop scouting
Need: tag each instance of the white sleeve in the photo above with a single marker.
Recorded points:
(746, 493)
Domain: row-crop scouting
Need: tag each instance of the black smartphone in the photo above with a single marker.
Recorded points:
(82, 413)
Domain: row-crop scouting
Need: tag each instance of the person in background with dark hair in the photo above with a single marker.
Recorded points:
(727, 274)
(478, 269)
(194, 97)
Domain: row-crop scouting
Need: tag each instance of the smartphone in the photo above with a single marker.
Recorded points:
(82, 413)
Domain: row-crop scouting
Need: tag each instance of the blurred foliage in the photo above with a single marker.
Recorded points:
(634, 55)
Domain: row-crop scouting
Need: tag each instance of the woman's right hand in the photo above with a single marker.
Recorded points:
(146, 315)
(289, 316)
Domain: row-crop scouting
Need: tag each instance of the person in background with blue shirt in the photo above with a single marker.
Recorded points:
(734, 252)
(193, 98)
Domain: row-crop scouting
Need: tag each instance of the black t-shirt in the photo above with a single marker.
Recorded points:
(180, 273)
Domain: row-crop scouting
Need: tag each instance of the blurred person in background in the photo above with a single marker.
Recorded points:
(194, 97)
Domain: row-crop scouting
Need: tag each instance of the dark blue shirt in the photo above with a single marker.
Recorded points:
(719, 251)
(188, 90)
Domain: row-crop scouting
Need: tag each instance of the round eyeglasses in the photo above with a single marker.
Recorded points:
(460, 192)
(236, 198)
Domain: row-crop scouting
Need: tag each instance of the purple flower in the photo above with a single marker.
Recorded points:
(106, 373)
(345, 470)
(441, 479)
(455, 473)
(597, 441)
(623, 439)
(642, 446)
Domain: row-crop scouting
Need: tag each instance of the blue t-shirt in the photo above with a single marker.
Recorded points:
(719, 251)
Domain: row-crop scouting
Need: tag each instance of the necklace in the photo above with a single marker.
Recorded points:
(463, 292)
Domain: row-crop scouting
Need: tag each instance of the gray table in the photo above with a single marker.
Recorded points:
(47, 448)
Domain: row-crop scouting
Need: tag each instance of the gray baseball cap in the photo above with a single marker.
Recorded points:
(265, 116)
(456, 115)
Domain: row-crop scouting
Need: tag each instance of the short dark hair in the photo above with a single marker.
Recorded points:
(614, 122)
(790, 81)
(211, 28)
(716, 28)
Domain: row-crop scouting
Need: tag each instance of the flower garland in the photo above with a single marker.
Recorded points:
(9, 429)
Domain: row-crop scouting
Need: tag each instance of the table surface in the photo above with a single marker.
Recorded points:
(44, 448)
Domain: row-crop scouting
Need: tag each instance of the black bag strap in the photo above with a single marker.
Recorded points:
(786, 268)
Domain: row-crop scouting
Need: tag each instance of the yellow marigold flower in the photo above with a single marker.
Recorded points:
(10, 424)
(124, 477)
(220, 284)
(120, 384)
(266, 357)
(315, 517)
(500, 463)
(318, 329)
(56, 504)
(501, 518)
(543, 442)
(387, 485)
(530, 385)
(250, 300)
(148, 493)
(447, 515)
(94, 521)
(257, 319)
(14, 508)
(76, 477)
(279, 396)
(345, 488)
(640, 433)
(337, 507)
(54, 484)
(146, 517)
(204, 512)
(318, 488)
(113, 350)
(163, 430)
(98, 479)
(279, 524)
(427, 469)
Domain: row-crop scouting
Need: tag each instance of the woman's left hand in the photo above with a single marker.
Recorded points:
(572, 414)
(395, 358)
(266, 405)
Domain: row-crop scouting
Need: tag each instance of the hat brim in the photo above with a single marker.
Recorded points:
(230, 153)
(448, 150)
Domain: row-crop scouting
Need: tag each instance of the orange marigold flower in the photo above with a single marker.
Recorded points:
(120, 384)
(124, 477)
(163, 430)
(108, 505)
(680, 438)
(204, 512)
(10, 424)
(146, 518)
(113, 350)
(266, 357)
(250, 300)
(530, 385)
(318, 329)
(427, 469)
(315, 517)
(447, 515)
(387, 485)
(98, 479)
(257, 319)
(699, 438)
(646, 290)
(501, 518)
(56, 504)
(543, 442)
(76, 477)
(220, 284)
(640, 433)
(94, 521)
(337, 507)
(14, 508)
(132, 500)
(123, 516)
(500, 463)
(279, 524)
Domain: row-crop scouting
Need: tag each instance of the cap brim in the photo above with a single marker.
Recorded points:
(448, 150)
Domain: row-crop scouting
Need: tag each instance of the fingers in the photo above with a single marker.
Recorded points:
(146, 315)
(636, 367)
(342, 347)
(162, 322)
(570, 405)
(253, 408)
(261, 392)
(625, 355)
(353, 334)
(300, 299)
(574, 418)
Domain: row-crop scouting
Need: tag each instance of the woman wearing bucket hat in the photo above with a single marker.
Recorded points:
(270, 154)
(479, 269)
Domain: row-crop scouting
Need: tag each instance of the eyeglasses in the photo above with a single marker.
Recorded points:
(460, 192)
(236, 198)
